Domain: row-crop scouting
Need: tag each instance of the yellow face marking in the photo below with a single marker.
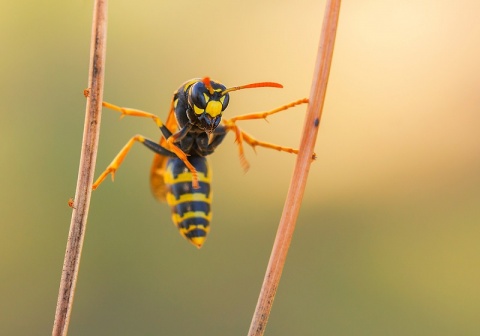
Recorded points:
(207, 97)
(214, 108)
(197, 110)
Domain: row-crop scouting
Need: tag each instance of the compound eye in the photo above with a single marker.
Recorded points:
(197, 95)
(225, 100)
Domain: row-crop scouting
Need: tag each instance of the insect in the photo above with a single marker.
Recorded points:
(180, 174)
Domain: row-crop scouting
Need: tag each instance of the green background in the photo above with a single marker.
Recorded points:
(387, 242)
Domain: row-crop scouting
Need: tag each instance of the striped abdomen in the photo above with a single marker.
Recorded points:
(190, 207)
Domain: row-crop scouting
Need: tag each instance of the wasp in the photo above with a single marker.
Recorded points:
(180, 174)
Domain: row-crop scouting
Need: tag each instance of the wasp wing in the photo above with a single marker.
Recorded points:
(157, 180)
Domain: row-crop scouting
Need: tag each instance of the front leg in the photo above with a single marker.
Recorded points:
(241, 136)
(208, 144)
(126, 111)
(171, 139)
(117, 161)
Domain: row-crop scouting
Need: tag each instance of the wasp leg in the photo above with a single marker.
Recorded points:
(117, 161)
(231, 126)
(254, 143)
(241, 136)
(125, 111)
(217, 138)
(166, 133)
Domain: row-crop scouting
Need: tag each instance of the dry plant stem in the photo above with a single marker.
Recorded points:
(85, 175)
(299, 179)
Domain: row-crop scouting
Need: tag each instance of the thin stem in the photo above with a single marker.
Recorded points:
(299, 179)
(85, 174)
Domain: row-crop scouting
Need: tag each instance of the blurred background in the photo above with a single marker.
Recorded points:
(387, 239)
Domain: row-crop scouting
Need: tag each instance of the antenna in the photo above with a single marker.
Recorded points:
(251, 86)
(207, 82)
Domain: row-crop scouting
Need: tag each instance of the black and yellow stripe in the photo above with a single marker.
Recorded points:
(191, 211)
(193, 130)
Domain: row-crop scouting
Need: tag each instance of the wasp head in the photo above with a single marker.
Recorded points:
(207, 100)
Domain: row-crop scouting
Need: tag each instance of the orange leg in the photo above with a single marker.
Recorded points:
(125, 111)
(240, 136)
(117, 161)
(169, 144)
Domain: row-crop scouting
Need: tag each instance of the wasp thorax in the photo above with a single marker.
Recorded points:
(206, 104)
